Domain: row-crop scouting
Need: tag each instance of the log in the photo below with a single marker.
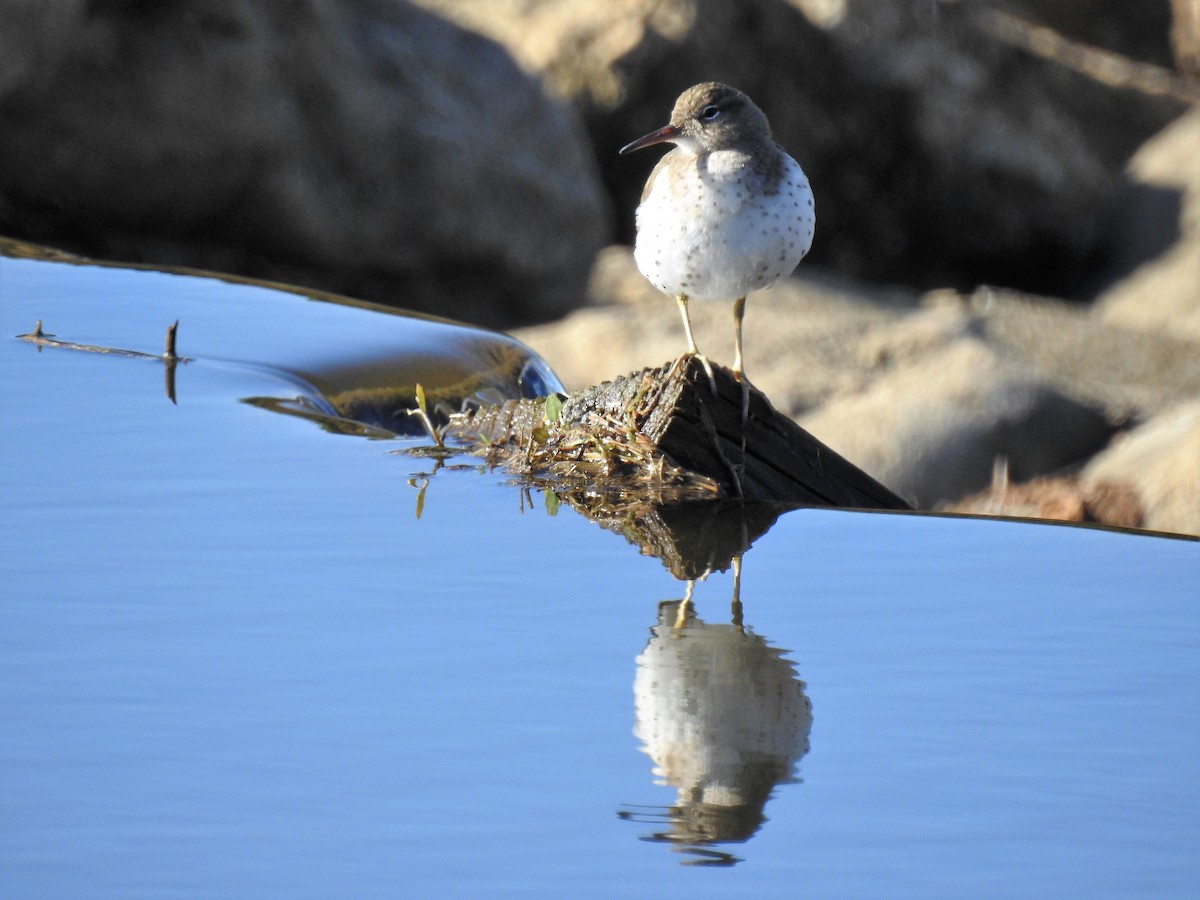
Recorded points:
(672, 432)
(692, 538)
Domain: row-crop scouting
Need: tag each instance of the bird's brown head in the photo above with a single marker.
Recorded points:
(710, 116)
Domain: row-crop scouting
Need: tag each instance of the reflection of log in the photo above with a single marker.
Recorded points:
(666, 432)
(691, 538)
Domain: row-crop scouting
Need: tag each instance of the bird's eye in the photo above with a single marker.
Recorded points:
(710, 112)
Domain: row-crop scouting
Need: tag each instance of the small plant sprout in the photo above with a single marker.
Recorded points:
(421, 483)
(422, 413)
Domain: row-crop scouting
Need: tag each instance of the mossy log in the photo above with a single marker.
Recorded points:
(670, 435)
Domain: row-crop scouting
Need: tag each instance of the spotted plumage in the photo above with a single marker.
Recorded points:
(726, 212)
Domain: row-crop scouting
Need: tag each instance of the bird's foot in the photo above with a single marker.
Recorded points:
(684, 358)
(708, 370)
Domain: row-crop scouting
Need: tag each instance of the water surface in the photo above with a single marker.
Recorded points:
(233, 661)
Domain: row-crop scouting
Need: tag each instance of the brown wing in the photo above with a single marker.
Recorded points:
(654, 174)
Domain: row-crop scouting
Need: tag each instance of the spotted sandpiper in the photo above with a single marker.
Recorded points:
(726, 212)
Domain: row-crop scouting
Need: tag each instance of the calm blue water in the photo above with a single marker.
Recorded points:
(233, 662)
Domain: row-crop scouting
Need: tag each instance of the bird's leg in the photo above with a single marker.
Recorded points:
(682, 300)
(687, 324)
(739, 313)
(737, 592)
(685, 605)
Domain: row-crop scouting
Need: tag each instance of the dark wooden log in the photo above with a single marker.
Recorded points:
(695, 537)
(724, 432)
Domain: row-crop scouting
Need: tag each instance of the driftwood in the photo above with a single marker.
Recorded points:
(691, 471)
(667, 432)
(169, 358)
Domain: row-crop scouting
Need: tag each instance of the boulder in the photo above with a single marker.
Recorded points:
(361, 146)
(1061, 498)
(1160, 463)
(1143, 34)
(934, 431)
(1129, 373)
(1185, 36)
(1153, 246)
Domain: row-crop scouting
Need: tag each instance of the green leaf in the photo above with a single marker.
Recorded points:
(551, 503)
(554, 407)
(420, 484)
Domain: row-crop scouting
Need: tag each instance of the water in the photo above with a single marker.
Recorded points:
(233, 661)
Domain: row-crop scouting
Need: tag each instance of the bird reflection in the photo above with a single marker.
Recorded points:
(724, 718)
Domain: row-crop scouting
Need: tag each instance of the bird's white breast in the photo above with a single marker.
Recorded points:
(707, 230)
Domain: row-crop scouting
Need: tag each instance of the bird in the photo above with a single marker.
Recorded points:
(724, 213)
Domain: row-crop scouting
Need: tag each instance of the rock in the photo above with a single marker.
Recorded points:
(1128, 373)
(933, 431)
(1147, 478)
(1114, 504)
(365, 147)
(1060, 498)
(1185, 36)
(1041, 498)
(940, 153)
(1155, 237)
(1160, 463)
(1143, 34)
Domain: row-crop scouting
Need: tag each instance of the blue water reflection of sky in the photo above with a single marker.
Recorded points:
(234, 662)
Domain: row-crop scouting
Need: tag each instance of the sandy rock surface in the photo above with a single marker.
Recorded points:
(1160, 463)
(1161, 229)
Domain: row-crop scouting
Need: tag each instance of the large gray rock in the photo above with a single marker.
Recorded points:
(362, 146)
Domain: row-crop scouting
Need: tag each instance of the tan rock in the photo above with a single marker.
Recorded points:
(1163, 293)
(1061, 498)
(1129, 373)
(1185, 35)
(934, 430)
(1042, 498)
(917, 335)
(1115, 504)
(576, 47)
(1160, 462)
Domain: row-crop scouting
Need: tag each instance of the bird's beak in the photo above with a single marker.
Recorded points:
(666, 133)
